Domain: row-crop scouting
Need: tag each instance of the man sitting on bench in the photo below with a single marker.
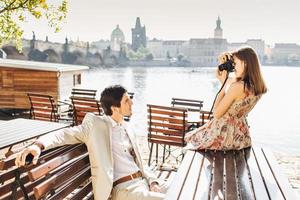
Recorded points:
(116, 164)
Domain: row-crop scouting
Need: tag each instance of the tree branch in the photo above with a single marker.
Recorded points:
(9, 8)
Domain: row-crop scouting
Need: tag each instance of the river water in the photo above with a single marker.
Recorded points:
(274, 122)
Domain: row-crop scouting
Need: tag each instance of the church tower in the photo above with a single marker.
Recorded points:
(138, 35)
(117, 39)
(218, 29)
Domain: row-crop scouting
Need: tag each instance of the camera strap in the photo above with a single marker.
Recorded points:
(212, 107)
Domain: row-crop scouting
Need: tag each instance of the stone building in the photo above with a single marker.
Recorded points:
(199, 51)
(167, 48)
(155, 46)
(204, 52)
(172, 48)
(285, 54)
(257, 44)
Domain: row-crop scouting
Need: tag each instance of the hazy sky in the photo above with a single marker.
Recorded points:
(274, 21)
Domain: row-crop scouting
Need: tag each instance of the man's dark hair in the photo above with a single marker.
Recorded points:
(111, 96)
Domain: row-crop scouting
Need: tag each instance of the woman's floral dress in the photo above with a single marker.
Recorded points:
(231, 131)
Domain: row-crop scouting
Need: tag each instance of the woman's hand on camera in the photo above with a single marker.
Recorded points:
(221, 75)
(224, 57)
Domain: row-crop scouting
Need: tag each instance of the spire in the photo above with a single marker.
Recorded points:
(66, 40)
(66, 45)
(138, 23)
(33, 36)
(218, 23)
(87, 49)
(32, 42)
(218, 30)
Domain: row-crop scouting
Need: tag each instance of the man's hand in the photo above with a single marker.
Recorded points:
(34, 149)
(154, 187)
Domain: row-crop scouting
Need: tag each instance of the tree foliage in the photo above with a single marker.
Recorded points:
(140, 54)
(15, 12)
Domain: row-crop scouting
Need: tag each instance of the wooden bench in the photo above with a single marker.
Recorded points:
(82, 106)
(249, 174)
(84, 93)
(194, 107)
(189, 104)
(43, 107)
(205, 116)
(60, 172)
(166, 126)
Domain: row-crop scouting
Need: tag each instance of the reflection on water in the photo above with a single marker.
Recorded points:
(273, 121)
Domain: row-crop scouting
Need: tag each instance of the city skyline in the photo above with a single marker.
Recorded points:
(271, 21)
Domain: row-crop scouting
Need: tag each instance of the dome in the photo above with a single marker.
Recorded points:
(117, 33)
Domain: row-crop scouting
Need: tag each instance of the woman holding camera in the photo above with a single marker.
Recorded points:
(228, 129)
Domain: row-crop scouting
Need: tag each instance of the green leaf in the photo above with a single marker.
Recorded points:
(10, 30)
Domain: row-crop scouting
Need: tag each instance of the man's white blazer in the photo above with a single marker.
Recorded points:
(95, 132)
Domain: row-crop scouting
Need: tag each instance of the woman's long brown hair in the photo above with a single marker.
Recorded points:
(252, 76)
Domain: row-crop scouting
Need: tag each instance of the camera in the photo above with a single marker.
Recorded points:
(227, 65)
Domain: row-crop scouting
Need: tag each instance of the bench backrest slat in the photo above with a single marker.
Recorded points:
(166, 125)
(86, 93)
(45, 168)
(189, 104)
(73, 184)
(58, 172)
(85, 191)
(43, 107)
(10, 170)
(61, 176)
(81, 106)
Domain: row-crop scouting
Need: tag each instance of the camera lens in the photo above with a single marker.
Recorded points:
(228, 66)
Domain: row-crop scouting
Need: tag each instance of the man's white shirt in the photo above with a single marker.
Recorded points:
(124, 163)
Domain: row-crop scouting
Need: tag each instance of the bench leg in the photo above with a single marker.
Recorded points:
(164, 153)
(150, 154)
(18, 182)
(156, 154)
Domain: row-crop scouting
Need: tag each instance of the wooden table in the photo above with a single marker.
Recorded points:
(19, 130)
(249, 174)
